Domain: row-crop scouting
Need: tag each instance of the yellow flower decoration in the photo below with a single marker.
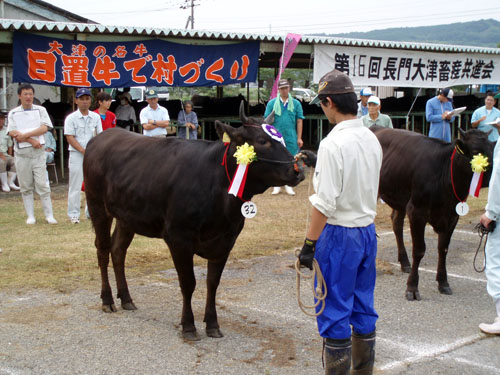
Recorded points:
(479, 163)
(245, 154)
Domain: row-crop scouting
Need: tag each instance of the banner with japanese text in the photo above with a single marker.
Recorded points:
(62, 62)
(405, 68)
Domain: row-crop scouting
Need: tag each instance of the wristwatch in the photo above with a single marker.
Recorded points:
(154, 122)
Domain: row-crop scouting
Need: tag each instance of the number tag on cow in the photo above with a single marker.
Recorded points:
(249, 210)
(462, 208)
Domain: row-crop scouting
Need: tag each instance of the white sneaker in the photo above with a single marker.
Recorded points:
(289, 190)
(75, 220)
(492, 329)
(31, 220)
(276, 190)
(51, 220)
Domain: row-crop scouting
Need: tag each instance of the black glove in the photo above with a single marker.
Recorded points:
(306, 255)
(308, 157)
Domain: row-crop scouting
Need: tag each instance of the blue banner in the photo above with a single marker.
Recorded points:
(62, 62)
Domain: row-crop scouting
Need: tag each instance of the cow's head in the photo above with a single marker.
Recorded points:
(475, 142)
(274, 166)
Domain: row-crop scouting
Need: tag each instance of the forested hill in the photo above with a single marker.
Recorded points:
(484, 33)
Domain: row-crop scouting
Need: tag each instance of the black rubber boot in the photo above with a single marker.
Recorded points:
(337, 356)
(363, 353)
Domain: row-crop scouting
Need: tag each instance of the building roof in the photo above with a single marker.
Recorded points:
(45, 10)
(8, 25)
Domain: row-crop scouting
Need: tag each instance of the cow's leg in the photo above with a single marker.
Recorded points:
(417, 228)
(443, 244)
(398, 220)
(183, 261)
(102, 226)
(122, 237)
(215, 269)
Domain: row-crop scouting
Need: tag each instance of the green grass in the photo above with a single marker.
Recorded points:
(63, 256)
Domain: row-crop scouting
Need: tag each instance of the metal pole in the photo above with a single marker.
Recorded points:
(192, 14)
(4, 86)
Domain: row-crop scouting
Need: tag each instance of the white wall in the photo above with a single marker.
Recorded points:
(42, 92)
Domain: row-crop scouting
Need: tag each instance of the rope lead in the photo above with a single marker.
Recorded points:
(319, 292)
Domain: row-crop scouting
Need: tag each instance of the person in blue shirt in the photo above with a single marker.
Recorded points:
(485, 114)
(288, 116)
(364, 95)
(437, 112)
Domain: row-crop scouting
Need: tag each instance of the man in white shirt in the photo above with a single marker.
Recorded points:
(79, 128)
(154, 118)
(492, 253)
(29, 152)
(341, 235)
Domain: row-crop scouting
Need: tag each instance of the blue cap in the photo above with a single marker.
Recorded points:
(82, 91)
(366, 92)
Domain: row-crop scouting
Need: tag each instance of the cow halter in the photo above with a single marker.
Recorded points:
(245, 154)
(462, 207)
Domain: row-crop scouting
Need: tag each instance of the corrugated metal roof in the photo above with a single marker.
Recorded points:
(46, 26)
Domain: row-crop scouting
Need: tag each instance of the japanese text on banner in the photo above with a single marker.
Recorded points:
(62, 62)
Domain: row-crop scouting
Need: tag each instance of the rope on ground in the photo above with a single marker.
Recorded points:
(319, 292)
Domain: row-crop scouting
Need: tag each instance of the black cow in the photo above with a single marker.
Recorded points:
(177, 190)
(415, 179)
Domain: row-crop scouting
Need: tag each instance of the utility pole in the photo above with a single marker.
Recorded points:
(191, 4)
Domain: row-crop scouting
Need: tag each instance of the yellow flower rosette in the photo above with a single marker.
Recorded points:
(245, 154)
(479, 163)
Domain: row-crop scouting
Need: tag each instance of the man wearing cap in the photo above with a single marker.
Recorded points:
(374, 117)
(154, 118)
(438, 113)
(341, 235)
(7, 164)
(79, 128)
(30, 154)
(487, 114)
(288, 116)
(364, 94)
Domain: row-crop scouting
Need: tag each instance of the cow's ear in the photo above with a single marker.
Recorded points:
(463, 148)
(222, 128)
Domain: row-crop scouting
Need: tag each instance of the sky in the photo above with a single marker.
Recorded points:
(304, 17)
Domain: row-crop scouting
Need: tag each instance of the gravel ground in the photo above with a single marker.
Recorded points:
(47, 332)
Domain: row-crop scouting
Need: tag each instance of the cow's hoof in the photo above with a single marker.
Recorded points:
(405, 269)
(129, 306)
(445, 290)
(191, 336)
(109, 308)
(413, 296)
(214, 332)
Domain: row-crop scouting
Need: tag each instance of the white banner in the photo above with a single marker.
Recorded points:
(405, 68)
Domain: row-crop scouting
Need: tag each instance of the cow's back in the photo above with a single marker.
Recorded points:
(146, 182)
(412, 165)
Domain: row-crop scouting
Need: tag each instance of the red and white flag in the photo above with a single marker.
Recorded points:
(291, 42)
